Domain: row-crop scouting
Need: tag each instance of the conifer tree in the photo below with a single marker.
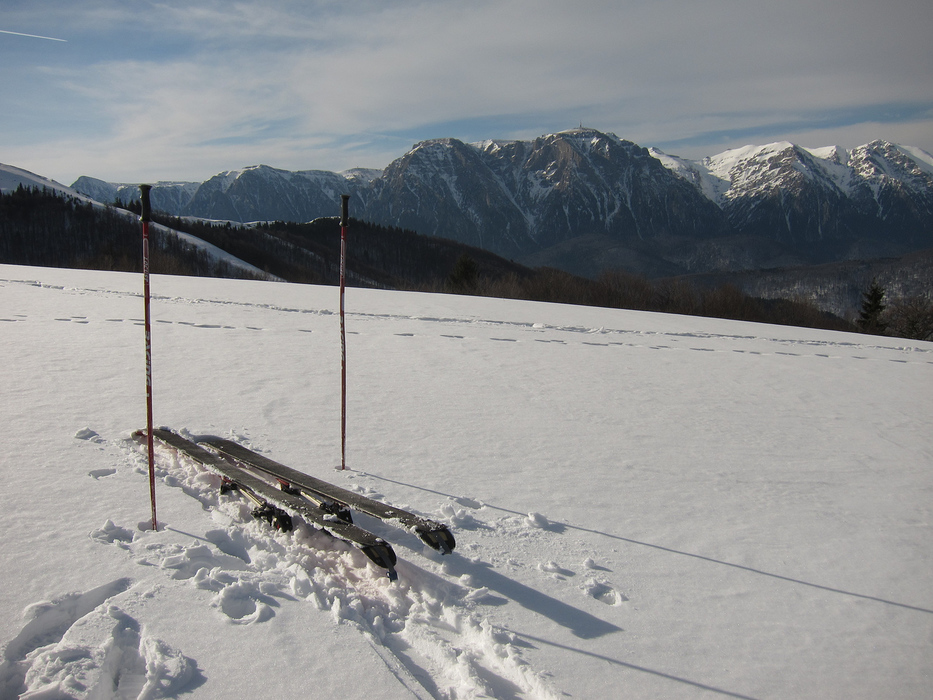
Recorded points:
(872, 307)
(465, 275)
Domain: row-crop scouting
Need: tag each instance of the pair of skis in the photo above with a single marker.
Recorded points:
(319, 503)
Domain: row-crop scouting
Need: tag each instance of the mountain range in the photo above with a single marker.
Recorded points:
(584, 201)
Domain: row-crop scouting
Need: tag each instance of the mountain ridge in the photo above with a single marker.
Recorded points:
(744, 208)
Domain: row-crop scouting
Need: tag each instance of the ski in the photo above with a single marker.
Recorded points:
(331, 497)
(274, 505)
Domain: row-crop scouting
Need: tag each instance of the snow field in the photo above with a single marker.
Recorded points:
(422, 623)
(644, 505)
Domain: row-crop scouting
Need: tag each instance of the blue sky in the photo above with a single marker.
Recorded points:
(142, 91)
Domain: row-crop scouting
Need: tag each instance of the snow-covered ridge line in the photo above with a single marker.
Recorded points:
(723, 175)
(715, 175)
(12, 177)
(544, 202)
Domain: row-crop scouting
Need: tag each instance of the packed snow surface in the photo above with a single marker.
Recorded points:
(645, 505)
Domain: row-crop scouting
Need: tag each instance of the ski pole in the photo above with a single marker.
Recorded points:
(144, 216)
(345, 198)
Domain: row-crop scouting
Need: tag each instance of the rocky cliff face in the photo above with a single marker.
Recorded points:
(262, 193)
(821, 204)
(165, 196)
(445, 188)
(518, 197)
(583, 182)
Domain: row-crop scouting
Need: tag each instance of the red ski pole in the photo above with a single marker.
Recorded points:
(345, 198)
(145, 215)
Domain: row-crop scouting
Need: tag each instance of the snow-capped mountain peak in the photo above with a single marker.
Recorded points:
(518, 198)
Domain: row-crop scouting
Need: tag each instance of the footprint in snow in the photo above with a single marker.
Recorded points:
(78, 645)
(552, 567)
(245, 603)
(77, 641)
(110, 533)
(603, 592)
(231, 542)
(221, 567)
(186, 562)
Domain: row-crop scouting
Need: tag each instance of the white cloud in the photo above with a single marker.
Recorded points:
(219, 85)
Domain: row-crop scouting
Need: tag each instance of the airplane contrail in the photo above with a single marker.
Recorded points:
(32, 36)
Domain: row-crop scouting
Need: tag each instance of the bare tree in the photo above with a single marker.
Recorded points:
(911, 318)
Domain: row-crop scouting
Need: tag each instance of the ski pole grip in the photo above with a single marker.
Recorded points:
(144, 200)
(344, 208)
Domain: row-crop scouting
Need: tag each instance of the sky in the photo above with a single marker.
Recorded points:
(141, 90)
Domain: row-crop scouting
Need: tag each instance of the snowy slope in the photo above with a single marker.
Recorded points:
(11, 178)
(646, 506)
(752, 170)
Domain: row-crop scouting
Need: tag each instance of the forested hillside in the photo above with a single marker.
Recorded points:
(44, 227)
(41, 227)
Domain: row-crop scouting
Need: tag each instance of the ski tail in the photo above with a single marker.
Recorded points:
(440, 539)
(382, 555)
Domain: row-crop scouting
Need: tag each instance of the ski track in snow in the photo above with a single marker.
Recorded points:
(595, 337)
(425, 628)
